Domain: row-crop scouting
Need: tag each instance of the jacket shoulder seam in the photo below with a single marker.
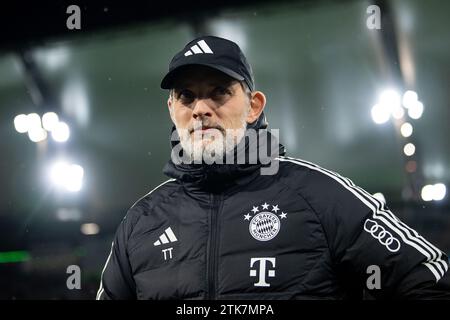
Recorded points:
(140, 199)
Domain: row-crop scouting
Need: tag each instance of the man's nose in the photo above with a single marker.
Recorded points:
(201, 109)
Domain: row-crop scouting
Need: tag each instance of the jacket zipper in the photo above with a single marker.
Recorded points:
(213, 244)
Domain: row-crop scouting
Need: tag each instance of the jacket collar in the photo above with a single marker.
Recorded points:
(218, 177)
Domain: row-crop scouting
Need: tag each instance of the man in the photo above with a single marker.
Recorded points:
(221, 230)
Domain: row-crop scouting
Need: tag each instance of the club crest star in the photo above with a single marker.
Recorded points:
(264, 223)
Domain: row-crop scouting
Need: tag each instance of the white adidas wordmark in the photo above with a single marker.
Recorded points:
(166, 237)
(195, 49)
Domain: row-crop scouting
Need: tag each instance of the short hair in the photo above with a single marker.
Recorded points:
(246, 88)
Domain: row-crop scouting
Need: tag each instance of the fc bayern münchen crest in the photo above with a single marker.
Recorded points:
(265, 223)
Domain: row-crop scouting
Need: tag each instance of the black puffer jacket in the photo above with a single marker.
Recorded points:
(228, 232)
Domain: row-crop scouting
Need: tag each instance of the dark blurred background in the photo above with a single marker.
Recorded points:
(85, 128)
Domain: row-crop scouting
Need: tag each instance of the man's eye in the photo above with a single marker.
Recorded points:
(186, 95)
(221, 91)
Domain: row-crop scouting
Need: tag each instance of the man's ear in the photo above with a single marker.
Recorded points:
(170, 107)
(257, 104)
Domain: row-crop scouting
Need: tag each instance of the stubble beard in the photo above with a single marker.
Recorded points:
(211, 146)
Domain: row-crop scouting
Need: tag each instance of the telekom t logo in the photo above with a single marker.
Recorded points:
(262, 271)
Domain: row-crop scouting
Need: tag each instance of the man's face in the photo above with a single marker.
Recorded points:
(210, 111)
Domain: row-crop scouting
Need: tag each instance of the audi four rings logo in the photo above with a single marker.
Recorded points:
(383, 236)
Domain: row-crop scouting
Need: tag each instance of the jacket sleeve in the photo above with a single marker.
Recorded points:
(372, 249)
(116, 280)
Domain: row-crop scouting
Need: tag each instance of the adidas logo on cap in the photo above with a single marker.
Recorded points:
(197, 49)
(166, 237)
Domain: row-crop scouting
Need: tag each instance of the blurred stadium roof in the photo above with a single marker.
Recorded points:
(318, 65)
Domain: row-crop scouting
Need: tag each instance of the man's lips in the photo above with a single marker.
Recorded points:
(205, 128)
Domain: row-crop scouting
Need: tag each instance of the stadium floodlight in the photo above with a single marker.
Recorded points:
(380, 115)
(390, 99)
(389, 104)
(89, 228)
(409, 98)
(34, 121)
(21, 123)
(434, 192)
(37, 134)
(427, 193)
(50, 120)
(406, 129)
(409, 149)
(439, 191)
(415, 111)
(67, 176)
(61, 132)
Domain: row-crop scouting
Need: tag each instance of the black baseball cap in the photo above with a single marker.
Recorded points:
(215, 52)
